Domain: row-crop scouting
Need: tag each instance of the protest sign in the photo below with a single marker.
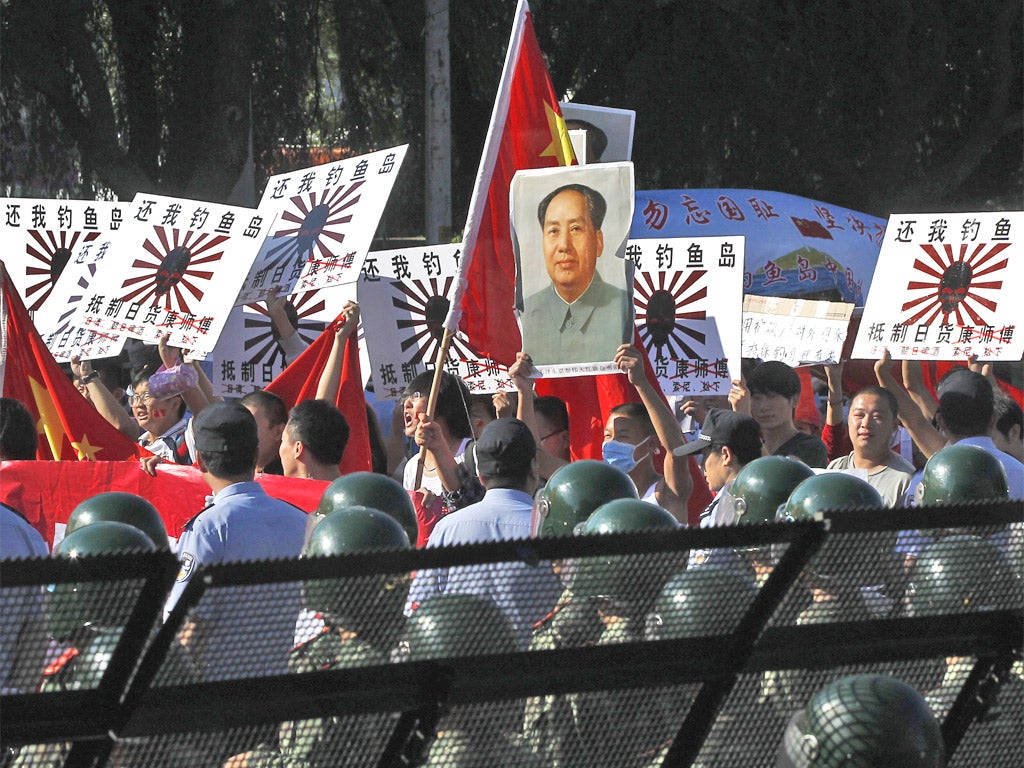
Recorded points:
(404, 296)
(326, 219)
(599, 134)
(795, 331)
(54, 320)
(951, 288)
(688, 297)
(38, 236)
(175, 268)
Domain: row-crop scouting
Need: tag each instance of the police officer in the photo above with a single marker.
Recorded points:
(241, 522)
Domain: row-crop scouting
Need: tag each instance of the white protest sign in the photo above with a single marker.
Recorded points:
(687, 300)
(404, 297)
(951, 288)
(55, 319)
(175, 268)
(38, 237)
(326, 219)
(795, 331)
(250, 354)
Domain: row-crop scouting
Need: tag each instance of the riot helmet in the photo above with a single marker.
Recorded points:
(962, 473)
(373, 490)
(118, 507)
(863, 721)
(573, 492)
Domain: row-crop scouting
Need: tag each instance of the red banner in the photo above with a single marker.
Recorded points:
(46, 492)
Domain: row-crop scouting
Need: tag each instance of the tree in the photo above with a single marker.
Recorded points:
(155, 96)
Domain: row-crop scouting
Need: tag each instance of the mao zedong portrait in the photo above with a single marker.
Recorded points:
(578, 317)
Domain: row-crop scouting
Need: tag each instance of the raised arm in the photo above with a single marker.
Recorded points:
(330, 379)
(677, 474)
(96, 392)
(927, 437)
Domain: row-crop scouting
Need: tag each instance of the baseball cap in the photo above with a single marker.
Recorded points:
(505, 448)
(967, 394)
(223, 427)
(723, 427)
(774, 377)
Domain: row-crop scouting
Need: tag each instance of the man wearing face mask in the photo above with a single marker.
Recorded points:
(635, 432)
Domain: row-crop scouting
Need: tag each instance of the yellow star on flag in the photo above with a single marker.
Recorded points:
(85, 449)
(49, 424)
(560, 147)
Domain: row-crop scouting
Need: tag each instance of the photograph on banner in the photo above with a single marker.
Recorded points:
(38, 237)
(796, 247)
(404, 297)
(326, 217)
(252, 351)
(599, 134)
(573, 282)
(795, 331)
(55, 320)
(175, 268)
(687, 296)
(951, 289)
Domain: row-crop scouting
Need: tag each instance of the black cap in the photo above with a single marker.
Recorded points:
(724, 427)
(774, 377)
(505, 449)
(966, 394)
(225, 427)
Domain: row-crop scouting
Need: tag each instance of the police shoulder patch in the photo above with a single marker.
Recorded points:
(188, 562)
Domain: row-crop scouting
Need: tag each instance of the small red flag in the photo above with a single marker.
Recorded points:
(69, 429)
(299, 381)
(526, 131)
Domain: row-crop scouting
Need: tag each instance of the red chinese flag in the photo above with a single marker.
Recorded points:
(69, 429)
(526, 131)
(299, 381)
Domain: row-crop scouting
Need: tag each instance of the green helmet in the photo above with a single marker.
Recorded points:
(961, 573)
(829, 491)
(373, 490)
(120, 507)
(365, 603)
(75, 606)
(763, 485)
(962, 473)
(573, 492)
(708, 600)
(453, 624)
(863, 721)
(625, 578)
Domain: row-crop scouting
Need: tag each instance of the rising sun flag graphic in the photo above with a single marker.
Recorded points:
(526, 131)
(69, 429)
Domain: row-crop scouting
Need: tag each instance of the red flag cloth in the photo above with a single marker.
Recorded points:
(589, 400)
(807, 407)
(69, 428)
(526, 131)
(46, 492)
(299, 382)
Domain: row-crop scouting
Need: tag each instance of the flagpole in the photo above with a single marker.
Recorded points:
(435, 386)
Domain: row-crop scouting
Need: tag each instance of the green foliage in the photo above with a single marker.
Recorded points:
(877, 107)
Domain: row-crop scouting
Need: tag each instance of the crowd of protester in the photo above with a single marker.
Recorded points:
(482, 468)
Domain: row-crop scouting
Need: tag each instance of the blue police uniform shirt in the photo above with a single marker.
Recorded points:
(18, 540)
(242, 523)
(526, 593)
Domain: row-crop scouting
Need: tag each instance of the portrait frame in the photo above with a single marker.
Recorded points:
(602, 318)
